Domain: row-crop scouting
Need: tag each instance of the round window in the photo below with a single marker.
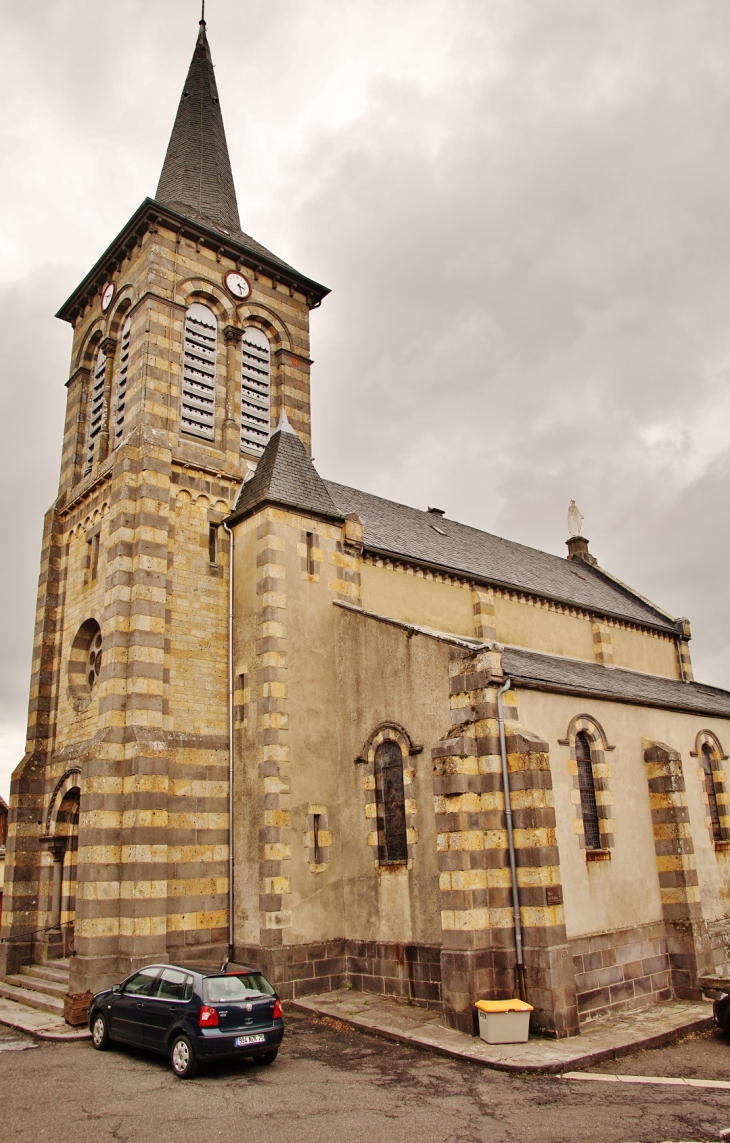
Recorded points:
(84, 664)
(93, 660)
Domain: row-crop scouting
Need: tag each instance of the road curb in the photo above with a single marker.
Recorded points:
(588, 1059)
(44, 1033)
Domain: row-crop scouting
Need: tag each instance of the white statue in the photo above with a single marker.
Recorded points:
(575, 519)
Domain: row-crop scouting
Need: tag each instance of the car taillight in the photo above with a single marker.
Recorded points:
(277, 1010)
(208, 1017)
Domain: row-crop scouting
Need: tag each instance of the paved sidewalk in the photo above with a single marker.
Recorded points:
(600, 1040)
(39, 1024)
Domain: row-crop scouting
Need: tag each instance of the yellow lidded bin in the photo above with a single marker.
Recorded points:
(504, 1021)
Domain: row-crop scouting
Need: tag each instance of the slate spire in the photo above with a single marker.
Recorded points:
(196, 177)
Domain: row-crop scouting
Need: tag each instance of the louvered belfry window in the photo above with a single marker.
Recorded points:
(199, 371)
(122, 375)
(255, 391)
(392, 836)
(587, 788)
(96, 411)
(711, 793)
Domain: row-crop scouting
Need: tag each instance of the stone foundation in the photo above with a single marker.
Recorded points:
(409, 971)
(619, 970)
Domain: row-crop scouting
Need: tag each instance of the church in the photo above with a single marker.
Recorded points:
(351, 742)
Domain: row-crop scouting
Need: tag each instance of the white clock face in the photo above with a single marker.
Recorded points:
(107, 295)
(238, 285)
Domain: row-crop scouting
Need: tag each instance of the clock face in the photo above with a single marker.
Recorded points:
(107, 295)
(237, 285)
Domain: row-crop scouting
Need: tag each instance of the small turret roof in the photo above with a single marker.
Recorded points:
(286, 475)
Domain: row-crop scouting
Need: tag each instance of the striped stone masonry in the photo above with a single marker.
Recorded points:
(601, 783)
(272, 726)
(478, 956)
(683, 652)
(710, 741)
(602, 648)
(485, 622)
(146, 747)
(685, 661)
(373, 808)
(687, 940)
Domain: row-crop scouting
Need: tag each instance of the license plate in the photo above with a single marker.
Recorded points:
(242, 1040)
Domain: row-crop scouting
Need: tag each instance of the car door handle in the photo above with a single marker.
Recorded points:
(142, 1006)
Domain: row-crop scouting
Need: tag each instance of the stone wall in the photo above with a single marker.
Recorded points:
(619, 970)
(406, 971)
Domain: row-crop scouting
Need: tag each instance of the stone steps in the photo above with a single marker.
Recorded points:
(45, 972)
(31, 999)
(39, 986)
(33, 984)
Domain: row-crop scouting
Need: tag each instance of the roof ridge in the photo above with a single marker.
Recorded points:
(401, 531)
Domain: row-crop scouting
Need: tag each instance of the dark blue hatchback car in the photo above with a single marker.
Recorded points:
(191, 1015)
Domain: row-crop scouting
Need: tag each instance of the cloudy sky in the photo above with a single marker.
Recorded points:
(522, 210)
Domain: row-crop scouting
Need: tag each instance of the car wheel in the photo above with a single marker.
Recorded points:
(100, 1032)
(182, 1057)
(267, 1057)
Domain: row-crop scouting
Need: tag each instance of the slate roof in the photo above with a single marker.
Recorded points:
(196, 178)
(285, 475)
(196, 175)
(592, 680)
(397, 530)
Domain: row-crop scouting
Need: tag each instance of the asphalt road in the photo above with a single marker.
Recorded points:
(331, 1084)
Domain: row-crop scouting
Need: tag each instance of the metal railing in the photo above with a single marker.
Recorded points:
(32, 938)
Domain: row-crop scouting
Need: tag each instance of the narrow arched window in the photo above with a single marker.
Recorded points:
(199, 371)
(711, 793)
(255, 391)
(391, 803)
(96, 408)
(587, 788)
(120, 397)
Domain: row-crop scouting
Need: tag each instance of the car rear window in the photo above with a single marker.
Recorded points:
(236, 986)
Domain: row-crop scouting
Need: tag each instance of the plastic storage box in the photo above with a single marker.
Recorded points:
(504, 1021)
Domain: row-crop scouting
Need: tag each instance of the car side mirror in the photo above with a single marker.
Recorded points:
(117, 988)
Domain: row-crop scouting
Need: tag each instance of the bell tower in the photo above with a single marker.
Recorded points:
(190, 340)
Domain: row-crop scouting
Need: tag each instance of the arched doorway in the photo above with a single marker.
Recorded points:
(62, 839)
(67, 835)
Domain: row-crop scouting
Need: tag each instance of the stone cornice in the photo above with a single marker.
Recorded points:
(150, 216)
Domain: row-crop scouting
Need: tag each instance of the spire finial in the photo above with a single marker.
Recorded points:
(202, 12)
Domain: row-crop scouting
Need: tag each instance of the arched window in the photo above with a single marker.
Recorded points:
(96, 408)
(199, 371)
(587, 788)
(391, 803)
(120, 398)
(255, 391)
(715, 825)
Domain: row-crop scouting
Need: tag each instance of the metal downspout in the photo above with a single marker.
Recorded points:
(520, 966)
(230, 741)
